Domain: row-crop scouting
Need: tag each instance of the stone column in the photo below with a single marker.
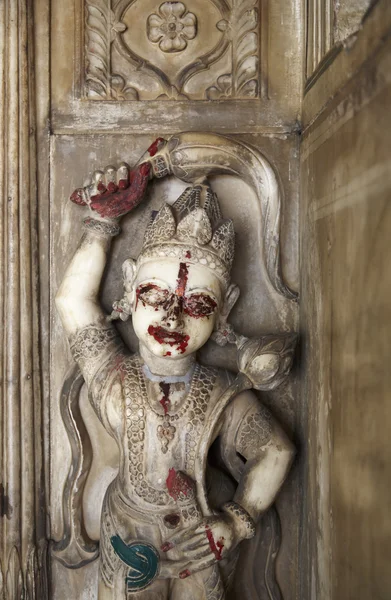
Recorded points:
(22, 504)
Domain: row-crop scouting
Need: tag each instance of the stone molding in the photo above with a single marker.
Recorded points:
(23, 549)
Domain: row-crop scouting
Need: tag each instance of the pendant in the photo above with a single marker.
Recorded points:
(165, 433)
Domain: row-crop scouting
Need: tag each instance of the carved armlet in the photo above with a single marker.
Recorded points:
(101, 228)
(242, 519)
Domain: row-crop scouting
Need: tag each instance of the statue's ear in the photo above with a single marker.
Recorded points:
(129, 274)
(231, 296)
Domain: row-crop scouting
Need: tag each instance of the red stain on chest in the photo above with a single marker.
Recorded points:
(216, 547)
(179, 485)
(165, 401)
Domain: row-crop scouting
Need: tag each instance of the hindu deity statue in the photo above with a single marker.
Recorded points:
(163, 535)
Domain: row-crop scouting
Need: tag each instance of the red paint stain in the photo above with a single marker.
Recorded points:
(168, 353)
(172, 338)
(78, 198)
(167, 546)
(199, 305)
(216, 547)
(184, 574)
(172, 520)
(188, 254)
(154, 147)
(179, 484)
(183, 275)
(115, 204)
(165, 401)
(144, 289)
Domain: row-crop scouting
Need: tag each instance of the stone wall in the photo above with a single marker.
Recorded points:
(345, 314)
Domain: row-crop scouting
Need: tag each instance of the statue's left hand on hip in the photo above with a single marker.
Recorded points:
(200, 546)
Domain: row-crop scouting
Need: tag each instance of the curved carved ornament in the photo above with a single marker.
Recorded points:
(210, 53)
(190, 156)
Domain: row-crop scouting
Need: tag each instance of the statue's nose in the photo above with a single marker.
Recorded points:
(173, 318)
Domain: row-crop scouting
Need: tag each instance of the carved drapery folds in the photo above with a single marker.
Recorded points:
(137, 50)
(22, 519)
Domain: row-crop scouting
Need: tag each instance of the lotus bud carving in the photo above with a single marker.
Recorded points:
(266, 361)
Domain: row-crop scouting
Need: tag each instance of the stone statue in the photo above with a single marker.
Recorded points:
(163, 535)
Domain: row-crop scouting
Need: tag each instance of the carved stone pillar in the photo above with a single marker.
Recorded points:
(22, 541)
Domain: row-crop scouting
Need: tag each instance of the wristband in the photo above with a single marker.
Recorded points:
(241, 515)
(101, 228)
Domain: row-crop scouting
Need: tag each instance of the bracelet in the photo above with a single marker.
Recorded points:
(101, 228)
(238, 512)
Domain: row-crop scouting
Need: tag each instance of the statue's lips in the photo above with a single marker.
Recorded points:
(165, 336)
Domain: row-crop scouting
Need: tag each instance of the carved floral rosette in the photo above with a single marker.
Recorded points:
(136, 50)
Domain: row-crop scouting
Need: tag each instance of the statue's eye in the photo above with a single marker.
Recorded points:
(152, 294)
(199, 305)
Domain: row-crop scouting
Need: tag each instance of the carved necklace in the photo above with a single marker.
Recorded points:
(166, 430)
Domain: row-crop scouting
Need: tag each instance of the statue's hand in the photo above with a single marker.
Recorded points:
(114, 192)
(199, 547)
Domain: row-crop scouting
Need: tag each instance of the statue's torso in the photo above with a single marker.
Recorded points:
(150, 441)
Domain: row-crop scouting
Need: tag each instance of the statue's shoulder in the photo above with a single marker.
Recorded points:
(215, 378)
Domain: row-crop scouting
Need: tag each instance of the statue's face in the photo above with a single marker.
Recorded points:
(175, 306)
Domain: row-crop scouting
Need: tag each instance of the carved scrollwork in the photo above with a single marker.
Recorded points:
(100, 82)
(122, 64)
(242, 27)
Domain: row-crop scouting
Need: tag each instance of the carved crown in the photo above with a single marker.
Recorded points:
(194, 230)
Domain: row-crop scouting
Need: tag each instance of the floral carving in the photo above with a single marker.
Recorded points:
(222, 89)
(172, 27)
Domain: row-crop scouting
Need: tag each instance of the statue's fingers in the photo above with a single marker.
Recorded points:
(123, 176)
(97, 184)
(181, 536)
(111, 178)
(172, 568)
(200, 565)
(79, 197)
(194, 542)
(199, 553)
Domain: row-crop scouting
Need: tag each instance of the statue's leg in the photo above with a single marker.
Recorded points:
(205, 585)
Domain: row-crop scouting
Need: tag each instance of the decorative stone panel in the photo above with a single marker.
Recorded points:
(148, 50)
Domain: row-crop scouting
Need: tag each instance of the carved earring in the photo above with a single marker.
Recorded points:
(122, 309)
(224, 332)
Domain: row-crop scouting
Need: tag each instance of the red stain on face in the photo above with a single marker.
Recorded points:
(179, 485)
(172, 338)
(165, 401)
(216, 547)
(188, 254)
(199, 305)
(152, 295)
(183, 275)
